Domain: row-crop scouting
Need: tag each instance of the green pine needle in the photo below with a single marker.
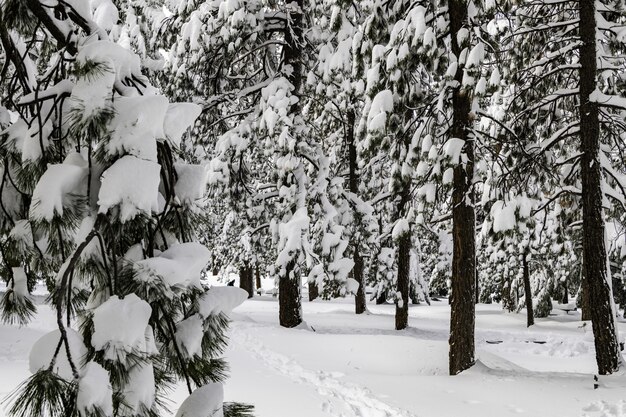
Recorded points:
(238, 410)
(43, 394)
(16, 308)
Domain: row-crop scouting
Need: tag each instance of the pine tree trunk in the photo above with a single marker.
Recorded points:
(258, 277)
(565, 299)
(353, 182)
(382, 298)
(528, 295)
(313, 291)
(289, 306)
(216, 269)
(289, 298)
(402, 306)
(462, 316)
(585, 304)
(415, 299)
(403, 281)
(359, 300)
(246, 281)
(476, 286)
(594, 250)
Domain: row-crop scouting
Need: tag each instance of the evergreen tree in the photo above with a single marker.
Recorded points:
(104, 209)
(568, 95)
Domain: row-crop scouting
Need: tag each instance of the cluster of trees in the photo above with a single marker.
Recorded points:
(467, 148)
(464, 148)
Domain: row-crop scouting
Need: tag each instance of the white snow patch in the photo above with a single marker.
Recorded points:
(43, 350)
(113, 338)
(94, 391)
(133, 185)
(221, 300)
(189, 334)
(206, 401)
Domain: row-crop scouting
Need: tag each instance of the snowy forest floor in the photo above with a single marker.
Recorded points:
(359, 366)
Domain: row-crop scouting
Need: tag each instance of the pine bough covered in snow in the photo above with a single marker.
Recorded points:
(97, 201)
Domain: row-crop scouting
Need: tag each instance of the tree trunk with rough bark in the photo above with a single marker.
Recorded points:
(289, 298)
(289, 305)
(403, 243)
(382, 298)
(528, 294)
(353, 182)
(477, 287)
(402, 305)
(594, 251)
(360, 303)
(258, 277)
(313, 291)
(462, 316)
(246, 280)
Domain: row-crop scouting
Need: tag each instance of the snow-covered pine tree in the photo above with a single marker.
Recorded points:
(570, 95)
(96, 201)
(390, 130)
(452, 43)
(335, 91)
(267, 152)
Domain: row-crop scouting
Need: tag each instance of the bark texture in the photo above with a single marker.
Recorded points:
(381, 298)
(402, 305)
(594, 250)
(360, 304)
(528, 295)
(353, 182)
(289, 304)
(313, 291)
(289, 298)
(246, 279)
(462, 315)
(258, 277)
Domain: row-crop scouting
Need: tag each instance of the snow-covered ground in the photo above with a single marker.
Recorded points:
(359, 366)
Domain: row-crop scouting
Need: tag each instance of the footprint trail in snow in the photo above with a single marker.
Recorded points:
(344, 399)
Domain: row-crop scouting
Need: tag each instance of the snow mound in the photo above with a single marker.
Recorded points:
(140, 390)
(105, 14)
(206, 401)
(54, 187)
(191, 183)
(352, 285)
(125, 62)
(43, 350)
(94, 391)
(180, 265)
(178, 118)
(221, 300)
(189, 334)
(382, 105)
(20, 282)
(605, 409)
(23, 233)
(133, 185)
(137, 124)
(109, 335)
